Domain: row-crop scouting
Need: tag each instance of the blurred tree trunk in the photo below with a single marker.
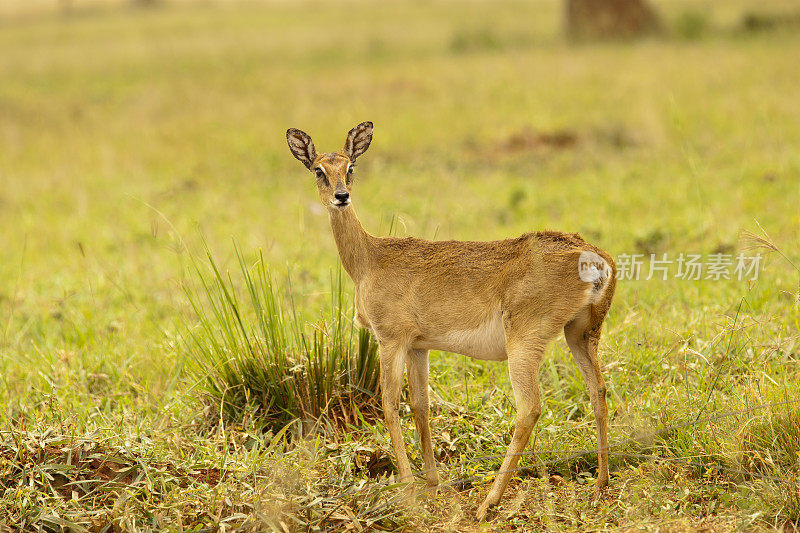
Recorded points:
(610, 19)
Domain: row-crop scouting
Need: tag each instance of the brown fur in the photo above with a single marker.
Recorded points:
(492, 300)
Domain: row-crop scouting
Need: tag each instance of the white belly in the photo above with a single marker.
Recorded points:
(487, 341)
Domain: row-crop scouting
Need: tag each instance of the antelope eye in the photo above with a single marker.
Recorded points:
(321, 174)
(350, 169)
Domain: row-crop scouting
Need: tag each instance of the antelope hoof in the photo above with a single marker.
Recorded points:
(432, 488)
(599, 488)
(432, 480)
(483, 509)
(409, 498)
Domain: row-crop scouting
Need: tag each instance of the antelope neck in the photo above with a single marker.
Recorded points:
(352, 241)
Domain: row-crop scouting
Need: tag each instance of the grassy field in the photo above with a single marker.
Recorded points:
(130, 136)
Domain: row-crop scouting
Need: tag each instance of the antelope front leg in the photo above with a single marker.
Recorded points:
(417, 368)
(392, 360)
(523, 369)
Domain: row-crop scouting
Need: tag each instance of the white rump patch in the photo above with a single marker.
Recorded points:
(593, 274)
(593, 269)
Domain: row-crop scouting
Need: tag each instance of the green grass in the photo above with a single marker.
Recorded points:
(255, 356)
(126, 134)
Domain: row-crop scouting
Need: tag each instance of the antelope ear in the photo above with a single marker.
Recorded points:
(358, 140)
(301, 146)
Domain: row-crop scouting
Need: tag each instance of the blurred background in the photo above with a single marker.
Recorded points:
(564, 113)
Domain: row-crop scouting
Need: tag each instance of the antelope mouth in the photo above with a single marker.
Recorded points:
(339, 204)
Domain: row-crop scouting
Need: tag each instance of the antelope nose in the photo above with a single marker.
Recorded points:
(342, 196)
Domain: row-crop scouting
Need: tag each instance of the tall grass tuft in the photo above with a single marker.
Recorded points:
(771, 444)
(253, 353)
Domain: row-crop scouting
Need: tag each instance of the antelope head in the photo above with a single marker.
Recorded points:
(334, 171)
